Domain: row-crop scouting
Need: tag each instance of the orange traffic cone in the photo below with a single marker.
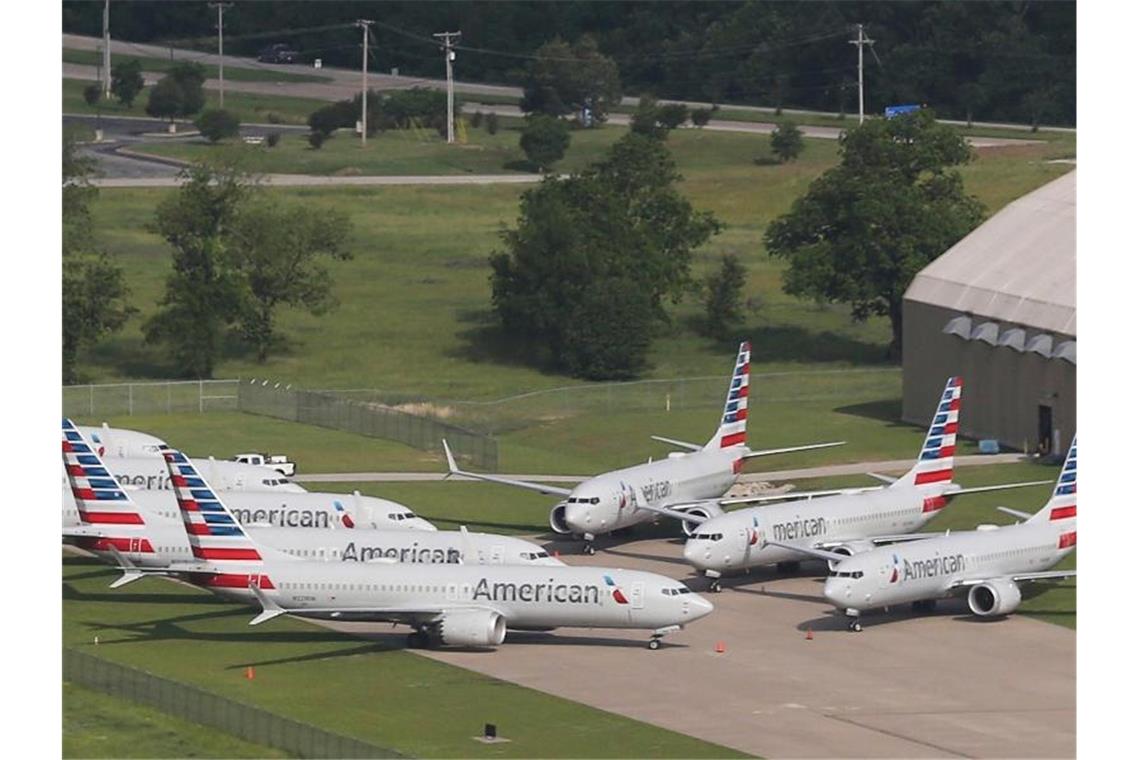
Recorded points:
(810, 635)
(557, 554)
(720, 647)
(249, 673)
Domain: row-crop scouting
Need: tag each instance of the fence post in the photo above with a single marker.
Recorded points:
(130, 399)
(168, 398)
(91, 399)
(201, 401)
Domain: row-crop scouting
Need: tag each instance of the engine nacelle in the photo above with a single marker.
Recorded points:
(705, 512)
(849, 549)
(476, 628)
(994, 598)
(558, 522)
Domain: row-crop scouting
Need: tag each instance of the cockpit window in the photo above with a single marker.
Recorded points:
(675, 591)
(851, 574)
(708, 536)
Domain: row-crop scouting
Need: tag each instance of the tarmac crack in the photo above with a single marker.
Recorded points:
(894, 734)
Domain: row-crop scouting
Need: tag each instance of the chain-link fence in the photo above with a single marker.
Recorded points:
(206, 708)
(170, 397)
(526, 410)
(368, 417)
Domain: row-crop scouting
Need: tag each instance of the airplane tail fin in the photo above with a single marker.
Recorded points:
(1062, 505)
(935, 462)
(734, 419)
(99, 498)
(215, 535)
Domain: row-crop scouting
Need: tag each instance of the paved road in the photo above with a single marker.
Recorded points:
(941, 685)
(825, 471)
(342, 88)
(351, 78)
(306, 180)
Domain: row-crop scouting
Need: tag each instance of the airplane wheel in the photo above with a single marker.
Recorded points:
(714, 587)
(589, 549)
(654, 643)
(855, 626)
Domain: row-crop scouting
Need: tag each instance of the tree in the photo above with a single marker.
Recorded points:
(92, 94)
(179, 94)
(94, 289)
(492, 123)
(278, 250)
(700, 116)
(216, 124)
(127, 80)
(672, 115)
(868, 225)
(204, 291)
(787, 141)
(316, 140)
(604, 246)
(544, 140)
(564, 79)
(645, 119)
(326, 120)
(724, 307)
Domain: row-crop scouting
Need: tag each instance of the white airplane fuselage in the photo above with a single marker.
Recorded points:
(282, 510)
(525, 596)
(121, 442)
(736, 541)
(931, 568)
(149, 474)
(612, 501)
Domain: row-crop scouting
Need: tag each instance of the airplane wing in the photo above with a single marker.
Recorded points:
(808, 447)
(678, 444)
(1004, 486)
(792, 496)
(1044, 575)
(676, 511)
(453, 469)
(817, 553)
(406, 614)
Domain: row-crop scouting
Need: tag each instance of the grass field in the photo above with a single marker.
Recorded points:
(359, 688)
(99, 725)
(415, 300)
(160, 65)
(248, 107)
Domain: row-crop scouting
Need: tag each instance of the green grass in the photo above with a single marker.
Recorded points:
(364, 689)
(162, 65)
(99, 725)
(248, 107)
(415, 311)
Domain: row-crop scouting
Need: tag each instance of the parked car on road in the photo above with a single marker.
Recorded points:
(278, 53)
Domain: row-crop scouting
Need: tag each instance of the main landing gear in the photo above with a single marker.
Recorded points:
(655, 638)
(853, 623)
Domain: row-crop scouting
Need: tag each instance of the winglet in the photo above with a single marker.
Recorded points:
(1015, 512)
(452, 467)
(465, 545)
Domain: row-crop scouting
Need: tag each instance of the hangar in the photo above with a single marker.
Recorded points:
(1000, 310)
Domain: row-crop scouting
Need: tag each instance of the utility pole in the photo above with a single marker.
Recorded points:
(106, 48)
(364, 25)
(449, 57)
(222, 8)
(860, 41)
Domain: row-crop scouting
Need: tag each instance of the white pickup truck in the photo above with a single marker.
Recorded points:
(278, 462)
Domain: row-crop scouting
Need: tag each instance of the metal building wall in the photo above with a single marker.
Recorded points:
(1002, 388)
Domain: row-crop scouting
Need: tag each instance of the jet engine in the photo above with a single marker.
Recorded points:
(558, 520)
(705, 511)
(475, 628)
(994, 598)
(849, 549)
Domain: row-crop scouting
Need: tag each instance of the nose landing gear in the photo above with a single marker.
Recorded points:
(655, 638)
(714, 581)
(588, 547)
(853, 623)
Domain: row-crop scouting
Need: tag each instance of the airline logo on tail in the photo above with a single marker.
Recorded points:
(936, 461)
(213, 532)
(732, 430)
(98, 496)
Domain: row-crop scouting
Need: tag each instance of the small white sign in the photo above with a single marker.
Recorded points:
(317, 63)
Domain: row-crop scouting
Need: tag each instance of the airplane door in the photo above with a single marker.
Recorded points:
(135, 546)
(637, 595)
(497, 554)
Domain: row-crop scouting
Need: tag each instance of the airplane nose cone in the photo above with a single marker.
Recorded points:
(695, 553)
(419, 523)
(699, 606)
(833, 591)
(575, 517)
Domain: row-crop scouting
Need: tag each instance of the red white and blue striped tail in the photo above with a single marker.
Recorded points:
(734, 421)
(1062, 506)
(214, 533)
(100, 499)
(936, 460)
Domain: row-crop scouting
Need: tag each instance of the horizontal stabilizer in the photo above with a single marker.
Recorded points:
(789, 449)
(1015, 512)
(952, 491)
(128, 576)
(882, 478)
(675, 442)
(453, 469)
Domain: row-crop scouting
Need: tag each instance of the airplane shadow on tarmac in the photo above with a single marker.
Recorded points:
(948, 609)
(70, 593)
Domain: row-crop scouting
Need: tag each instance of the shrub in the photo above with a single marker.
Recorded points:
(492, 123)
(700, 116)
(477, 119)
(326, 120)
(216, 124)
(673, 115)
(317, 139)
(92, 94)
(272, 139)
(544, 140)
(787, 141)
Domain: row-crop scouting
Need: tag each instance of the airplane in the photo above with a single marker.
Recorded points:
(843, 523)
(117, 526)
(683, 483)
(450, 605)
(284, 510)
(988, 564)
(121, 442)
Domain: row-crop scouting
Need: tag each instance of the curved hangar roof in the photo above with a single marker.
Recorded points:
(1018, 267)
